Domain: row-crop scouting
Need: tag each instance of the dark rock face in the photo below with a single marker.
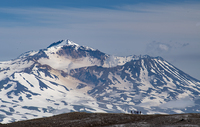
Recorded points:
(37, 56)
(55, 43)
(70, 50)
(80, 86)
(40, 54)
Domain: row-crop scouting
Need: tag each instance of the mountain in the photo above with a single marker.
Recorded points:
(67, 77)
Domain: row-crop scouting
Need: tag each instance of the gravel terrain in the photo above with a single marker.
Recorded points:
(81, 119)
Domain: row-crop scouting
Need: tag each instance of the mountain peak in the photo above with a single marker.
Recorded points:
(61, 43)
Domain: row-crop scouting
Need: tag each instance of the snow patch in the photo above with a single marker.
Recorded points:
(181, 103)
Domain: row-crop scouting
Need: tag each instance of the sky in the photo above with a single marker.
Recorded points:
(167, 28)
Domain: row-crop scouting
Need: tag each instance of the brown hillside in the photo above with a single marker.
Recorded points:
(81, 119)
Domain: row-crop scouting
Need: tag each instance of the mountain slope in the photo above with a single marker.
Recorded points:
(67, 77)
(149, 84)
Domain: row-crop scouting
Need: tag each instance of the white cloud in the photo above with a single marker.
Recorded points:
(112, 61)
(164, 48)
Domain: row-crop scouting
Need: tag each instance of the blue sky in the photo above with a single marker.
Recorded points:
(170, 29)
(82, 4)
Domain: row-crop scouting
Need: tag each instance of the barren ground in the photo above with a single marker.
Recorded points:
(81, 119)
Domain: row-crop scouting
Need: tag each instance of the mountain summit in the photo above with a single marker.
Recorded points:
(62, 43)
(67, 77)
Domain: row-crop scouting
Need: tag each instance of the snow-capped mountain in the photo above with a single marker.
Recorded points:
(67, 77)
